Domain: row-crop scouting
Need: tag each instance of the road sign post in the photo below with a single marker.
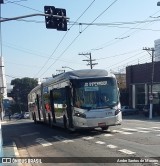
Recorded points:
(151, 106)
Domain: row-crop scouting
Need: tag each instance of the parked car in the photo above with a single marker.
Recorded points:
(15, 115)
(26, 115)
(126, 110)
(21, 116)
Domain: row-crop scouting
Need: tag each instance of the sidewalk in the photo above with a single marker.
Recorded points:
(141, 117)
(8, 148)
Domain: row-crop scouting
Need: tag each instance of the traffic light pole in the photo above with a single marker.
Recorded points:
(31, 15)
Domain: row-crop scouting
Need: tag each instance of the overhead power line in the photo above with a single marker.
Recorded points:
(116, 23)
(79, 35)
(112, 42)
(125, 60)
(62, 41)
(14, 2)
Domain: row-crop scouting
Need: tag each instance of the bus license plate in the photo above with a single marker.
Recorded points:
(102, 124)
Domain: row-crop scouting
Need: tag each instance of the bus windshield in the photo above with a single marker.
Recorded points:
(96, 93)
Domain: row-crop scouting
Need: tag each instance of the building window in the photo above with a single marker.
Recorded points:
(140, 95)
(156, 93)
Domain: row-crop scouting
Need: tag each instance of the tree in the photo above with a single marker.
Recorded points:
(21, 88)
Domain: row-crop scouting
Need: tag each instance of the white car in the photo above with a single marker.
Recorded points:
(26, 115)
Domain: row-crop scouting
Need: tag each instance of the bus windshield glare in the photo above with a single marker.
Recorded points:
(94, 94)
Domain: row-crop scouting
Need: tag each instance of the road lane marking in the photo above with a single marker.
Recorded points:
(67, 141)
(111, 146)
(108, 135)
(126, 151)
(100, 142)
(121, 132)
(88, 138)
(62, 139)
(156, 128)
(129, 129)
(126, 133)
(117, 131)
(142, 128)
(143, 131)
(43, 142)
(30, 134)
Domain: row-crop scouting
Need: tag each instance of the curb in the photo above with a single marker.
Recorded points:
(7, 150)
(10, 151)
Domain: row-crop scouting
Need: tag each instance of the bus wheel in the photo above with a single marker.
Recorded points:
(105, 128)
(65, 122)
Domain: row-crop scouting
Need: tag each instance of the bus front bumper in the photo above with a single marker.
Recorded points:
(98, 122)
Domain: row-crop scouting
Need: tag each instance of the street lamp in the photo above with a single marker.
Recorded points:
(67, 67)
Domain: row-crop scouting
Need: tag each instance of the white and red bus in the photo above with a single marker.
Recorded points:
(77, 99)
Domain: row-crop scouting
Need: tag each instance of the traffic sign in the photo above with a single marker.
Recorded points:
(151, 97)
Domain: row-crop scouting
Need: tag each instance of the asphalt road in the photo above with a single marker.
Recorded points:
(134, 138)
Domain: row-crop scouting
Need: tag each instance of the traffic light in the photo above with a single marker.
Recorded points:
(53, 22)
(50, 20)
(61, 22)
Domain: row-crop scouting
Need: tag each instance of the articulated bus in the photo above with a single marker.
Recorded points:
(77, 99)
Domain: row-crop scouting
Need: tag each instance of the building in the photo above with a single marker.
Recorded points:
(138, 81)
(121, 78)
(157, 50)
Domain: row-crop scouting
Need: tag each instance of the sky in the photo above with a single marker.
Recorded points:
(113, 31)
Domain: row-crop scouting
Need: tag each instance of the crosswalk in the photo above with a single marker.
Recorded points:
(102, 141)
(61, 139)
(128, 131)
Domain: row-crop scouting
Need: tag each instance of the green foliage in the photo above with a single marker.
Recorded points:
(21, 88)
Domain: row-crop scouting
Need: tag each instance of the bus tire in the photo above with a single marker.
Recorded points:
(65, 122)
(104, 128)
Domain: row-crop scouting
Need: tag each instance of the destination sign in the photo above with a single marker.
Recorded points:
(90, 84)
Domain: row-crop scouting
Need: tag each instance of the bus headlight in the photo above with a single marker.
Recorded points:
(117, 111)
(79, 114)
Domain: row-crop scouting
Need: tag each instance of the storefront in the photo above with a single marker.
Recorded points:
(138, 79)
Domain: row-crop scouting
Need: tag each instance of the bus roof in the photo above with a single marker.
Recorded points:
(76, 74)
(79, 74)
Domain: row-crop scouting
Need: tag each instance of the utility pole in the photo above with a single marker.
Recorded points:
(1, 92)
(151, 52)
(89, 60)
